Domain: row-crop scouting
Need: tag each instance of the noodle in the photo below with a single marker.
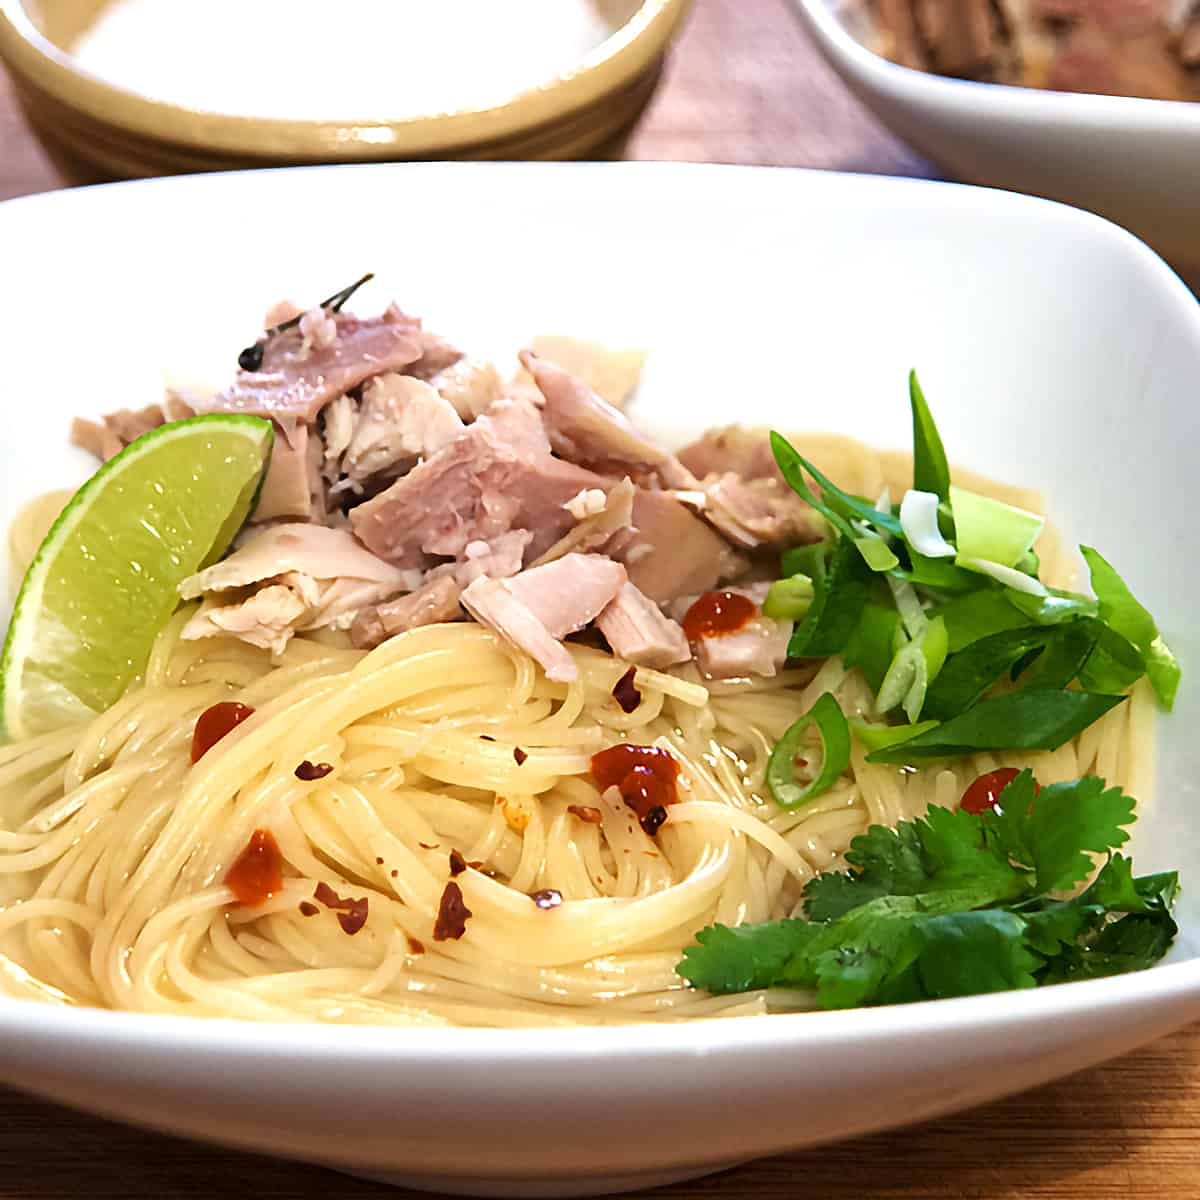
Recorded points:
(114, 848)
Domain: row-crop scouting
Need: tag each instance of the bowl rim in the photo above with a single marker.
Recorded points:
(465, 1046)
(630, 51)
(1165, 986)
(1085, 111)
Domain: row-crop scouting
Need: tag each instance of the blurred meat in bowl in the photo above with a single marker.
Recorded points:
(1148, 48)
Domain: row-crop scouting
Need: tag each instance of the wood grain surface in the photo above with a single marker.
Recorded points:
(744, 86)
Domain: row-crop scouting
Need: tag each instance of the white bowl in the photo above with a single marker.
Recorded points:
(1134, 161)
(1057, 351)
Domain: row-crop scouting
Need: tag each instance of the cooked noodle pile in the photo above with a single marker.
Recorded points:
(117, 847)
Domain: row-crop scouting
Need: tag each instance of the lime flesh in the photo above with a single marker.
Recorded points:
(106, 578)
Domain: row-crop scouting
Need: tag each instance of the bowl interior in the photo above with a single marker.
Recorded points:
(1057, 352)
(64, 22)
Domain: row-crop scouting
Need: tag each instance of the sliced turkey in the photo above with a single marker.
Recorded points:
(539, 607)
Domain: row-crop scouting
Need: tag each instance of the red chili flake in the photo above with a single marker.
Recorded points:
(351, 914)
(452, 915)
(379, 862)
(486, 737)
(586, 813)
(214, 723)
(654, 820)
(646, 778)
(718, 614)
(458, 864)
(354, 919)
(415, 946)
(624, 692)
(427, 846)
(309, 771)
(394, 874)
(257, 873)
(476, 863)
(547, 898)
(519, 755)
(308, 909)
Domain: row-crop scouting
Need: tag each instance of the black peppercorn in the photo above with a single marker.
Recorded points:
(251, 358)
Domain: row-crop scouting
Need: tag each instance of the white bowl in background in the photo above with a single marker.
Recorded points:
(1056, 350)
(1134, 161)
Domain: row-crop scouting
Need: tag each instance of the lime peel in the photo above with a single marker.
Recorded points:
(105, 579)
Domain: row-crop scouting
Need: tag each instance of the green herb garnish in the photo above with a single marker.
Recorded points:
(832, 758)
(959, 904)
(948, 640)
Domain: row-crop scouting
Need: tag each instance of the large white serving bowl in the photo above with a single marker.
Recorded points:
(1134, 161)
(1056, 350)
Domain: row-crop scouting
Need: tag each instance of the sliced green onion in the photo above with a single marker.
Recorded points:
(905, 683)
(1164, 671)
(919, 520)
(812, 560)
(935, 645)
(1009, 576)
(1030, 563)
(991, 531)
(880, 737)
(835, 755)
(877, 554)
(908, 604)
(789, 599)
(931, 472)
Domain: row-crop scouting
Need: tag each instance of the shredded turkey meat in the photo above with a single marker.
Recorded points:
(410, 485)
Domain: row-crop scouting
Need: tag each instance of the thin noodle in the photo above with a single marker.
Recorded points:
(114, 848)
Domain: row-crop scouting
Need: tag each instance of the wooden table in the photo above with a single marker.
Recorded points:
(744, 87)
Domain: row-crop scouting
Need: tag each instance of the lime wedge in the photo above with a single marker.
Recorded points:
(106, 579)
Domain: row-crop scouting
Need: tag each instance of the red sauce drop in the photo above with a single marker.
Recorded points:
(982, 794)
(646, 776)
(214, 723)
(257, 873)
(718, 614)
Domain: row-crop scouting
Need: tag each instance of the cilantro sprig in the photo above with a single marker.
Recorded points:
(959, 904)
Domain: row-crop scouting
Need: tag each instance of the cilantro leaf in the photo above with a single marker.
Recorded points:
(970, 953)
(947, 851)
(740, 959)
(1054, 832)
(959, 904)
(1079, 938)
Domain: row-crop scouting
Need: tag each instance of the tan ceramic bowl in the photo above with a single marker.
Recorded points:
(111, 132)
